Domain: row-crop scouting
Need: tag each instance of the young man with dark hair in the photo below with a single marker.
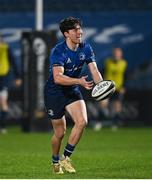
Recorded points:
(61, 92)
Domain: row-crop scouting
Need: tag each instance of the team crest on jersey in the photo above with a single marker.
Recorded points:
(69, 61)
(82, 56)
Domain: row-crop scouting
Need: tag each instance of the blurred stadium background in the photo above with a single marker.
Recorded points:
(106, 24)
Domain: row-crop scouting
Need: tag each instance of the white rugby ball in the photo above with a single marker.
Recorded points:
(103, 90)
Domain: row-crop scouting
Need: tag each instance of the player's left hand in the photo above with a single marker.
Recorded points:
(122, 91)
(18, 82)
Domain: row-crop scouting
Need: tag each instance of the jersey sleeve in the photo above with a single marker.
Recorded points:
(90, 54)
(56, 58)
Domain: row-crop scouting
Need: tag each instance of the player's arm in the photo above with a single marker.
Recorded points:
(96, 75)
(60, 78)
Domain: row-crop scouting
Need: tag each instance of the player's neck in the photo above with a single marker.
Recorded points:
(72, 46)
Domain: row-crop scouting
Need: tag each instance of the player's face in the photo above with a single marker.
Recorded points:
(117, 54)
(75, 35)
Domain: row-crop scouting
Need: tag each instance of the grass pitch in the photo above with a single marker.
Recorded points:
(126, 153)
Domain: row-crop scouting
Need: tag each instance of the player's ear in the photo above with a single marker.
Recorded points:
(66, 34)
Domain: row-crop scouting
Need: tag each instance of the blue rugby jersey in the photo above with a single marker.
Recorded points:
(72, 61)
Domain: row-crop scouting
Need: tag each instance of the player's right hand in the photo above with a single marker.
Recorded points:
(86, 84)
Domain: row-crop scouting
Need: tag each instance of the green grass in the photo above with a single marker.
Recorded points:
(126, 153)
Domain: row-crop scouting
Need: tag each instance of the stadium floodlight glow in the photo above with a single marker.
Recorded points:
(39, 15)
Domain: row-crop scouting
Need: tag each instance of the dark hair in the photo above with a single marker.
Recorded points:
(69, 23)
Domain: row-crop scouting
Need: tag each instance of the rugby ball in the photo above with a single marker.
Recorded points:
(103, 90)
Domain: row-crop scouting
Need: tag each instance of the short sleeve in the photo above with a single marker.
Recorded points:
(56, 58)
(90, 54)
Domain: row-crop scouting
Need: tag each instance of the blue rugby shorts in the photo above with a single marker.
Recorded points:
(55, 104)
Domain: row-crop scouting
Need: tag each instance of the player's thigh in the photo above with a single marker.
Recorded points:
(54, 106)
(104, 103)
(117, 105)
(77, 111)
(59, 126)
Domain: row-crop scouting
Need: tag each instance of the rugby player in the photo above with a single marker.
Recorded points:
(62, 93)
